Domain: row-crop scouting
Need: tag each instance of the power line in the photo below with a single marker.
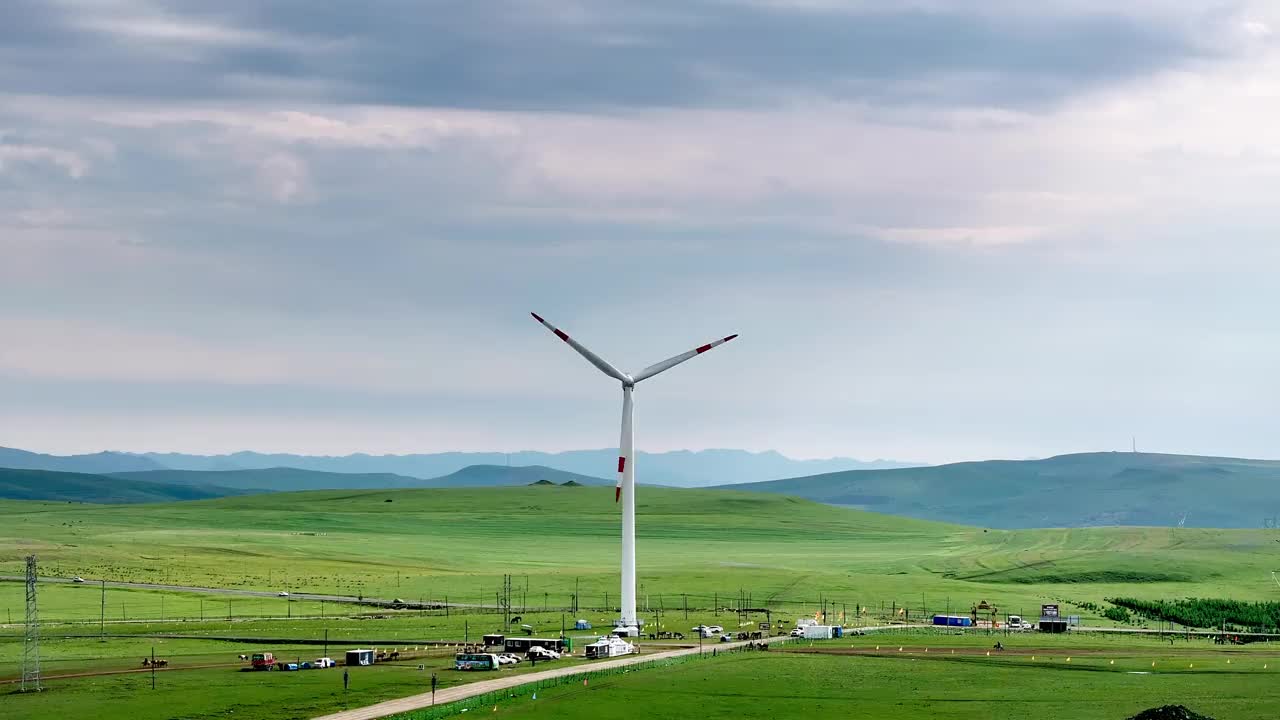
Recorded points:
(31, 640)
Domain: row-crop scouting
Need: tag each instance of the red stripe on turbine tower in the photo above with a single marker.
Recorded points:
(622, 463)
(617, 493)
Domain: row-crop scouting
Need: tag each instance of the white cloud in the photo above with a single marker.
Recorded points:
(284, 177)
(73, 164)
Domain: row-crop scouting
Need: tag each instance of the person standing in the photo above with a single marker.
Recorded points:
(346, 679)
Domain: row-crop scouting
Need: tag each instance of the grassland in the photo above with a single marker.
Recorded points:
(709, 545)
(915, 686)
(709, 549)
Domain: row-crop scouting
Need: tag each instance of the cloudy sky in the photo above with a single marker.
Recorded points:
(944, 230)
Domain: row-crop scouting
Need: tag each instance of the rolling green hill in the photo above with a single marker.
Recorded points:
(706, 544)
(498, 475)
(19, 484)
(1089, 489)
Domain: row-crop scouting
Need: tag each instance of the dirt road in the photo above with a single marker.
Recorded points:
(461, 692)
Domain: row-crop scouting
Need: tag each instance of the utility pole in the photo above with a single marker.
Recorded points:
(153, 667)
(31, 638)
(102, 613)
(686, 606)
(326, 642)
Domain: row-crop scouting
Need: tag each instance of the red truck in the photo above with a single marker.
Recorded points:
(263, 661)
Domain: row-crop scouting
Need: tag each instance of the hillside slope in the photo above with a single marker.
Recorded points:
(499, 475)
(1078, 490)
(23, 484)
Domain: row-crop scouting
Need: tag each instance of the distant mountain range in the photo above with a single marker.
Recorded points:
(103, 462)
(285, 479)
(1085, 489)
(677, 469)
(83, 487)
(175, 485)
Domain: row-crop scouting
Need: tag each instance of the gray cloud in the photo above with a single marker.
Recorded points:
(532, 55)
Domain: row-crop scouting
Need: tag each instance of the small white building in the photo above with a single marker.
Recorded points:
(608, 646)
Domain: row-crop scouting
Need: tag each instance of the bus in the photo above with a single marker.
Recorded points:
(476, 661)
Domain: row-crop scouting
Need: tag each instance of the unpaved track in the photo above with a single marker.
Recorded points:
(353, 599)
(462, 692)
(97, 673)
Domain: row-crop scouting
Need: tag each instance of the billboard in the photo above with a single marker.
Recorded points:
(1048, 611)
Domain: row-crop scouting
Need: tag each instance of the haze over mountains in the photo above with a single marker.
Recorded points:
(1086, 489)
(285, 479)
(681, 468)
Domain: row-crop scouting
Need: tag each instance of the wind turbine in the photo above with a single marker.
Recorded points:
(626, 486)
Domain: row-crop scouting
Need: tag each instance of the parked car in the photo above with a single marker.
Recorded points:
(727, 637)
(543, 653)
(715, 628)
(77, 579)
(324, 662)
(283, 593)
(697, 628)
(797, 632)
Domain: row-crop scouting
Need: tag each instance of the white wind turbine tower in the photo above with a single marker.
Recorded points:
(626, 487)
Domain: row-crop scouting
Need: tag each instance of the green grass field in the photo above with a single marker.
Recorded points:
(706, 549)
(433, 544)
(913, 687)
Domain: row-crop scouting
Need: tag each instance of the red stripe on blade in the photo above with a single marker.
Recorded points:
(730, 338)
(562, 336)
(703, 349)
(537, 317)
(622, 463)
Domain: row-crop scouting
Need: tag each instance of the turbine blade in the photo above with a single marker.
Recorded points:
(672, 362)
(591, 357)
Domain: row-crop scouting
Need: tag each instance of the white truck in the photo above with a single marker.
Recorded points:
(818, 632)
